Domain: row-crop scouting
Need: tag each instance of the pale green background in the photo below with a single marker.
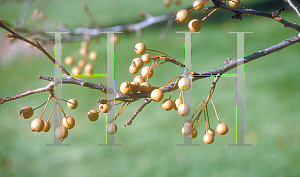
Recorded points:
(271, 93)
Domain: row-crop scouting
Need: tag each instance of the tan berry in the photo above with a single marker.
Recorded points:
(88, 69)
(135, 87)
(93, 56)
(208, 139)
(210, 131)
(198, 5)
(177, 102)
(75, 70)
(93, 115)
(183, 109)
(84, 44)
(105, 107)
(140, 48)
(145, 87)
(125, 87)
(146, 58)
(168, 104)
(137, 63)
(83, 51)
(61, 133)
(182, 16)
(222, 129)
(167, 3)
(177, 2)
(188, 123)
(81, 63)
(26, 112)
(186, 130)
(72, 103)
(46, 126)
(184, 84)
(111, 128)
(194, 25)
(138, 79)
(193, 134)
(234, 3)
(133, 70)
(69, 60)
(147, 72)
(157, 95)
(68, 122)
(37, 125)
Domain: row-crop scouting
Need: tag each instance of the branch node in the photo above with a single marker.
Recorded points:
(277, 13)
(9, 35)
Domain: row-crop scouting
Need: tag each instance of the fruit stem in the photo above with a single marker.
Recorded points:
(158, 52)
(207, 15)
(215, 109)
(46, 105)
(51, 112)
(59, 104)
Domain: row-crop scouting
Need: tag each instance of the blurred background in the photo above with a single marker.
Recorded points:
(271, 95)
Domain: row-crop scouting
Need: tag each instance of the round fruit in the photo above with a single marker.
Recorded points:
(193, 134)
(157, 95)
(72, 103)
(138, 79)
(167, 3)
(105, 107)
(183, 109)
(168, 104)
(182, 16)
(140, 48)
(222, 129)
(133, 70)
(88, 69)
(198, 5)
(125, 88)
(46, 126)
(68, 122)
(69, 60)
(135, 87)
(81, 63)
(177, 102)
(93, 115)
(194, 25)
(83, 51)
(26, 112)
(145, 87)
(188, 123)
(208, 139)
(186, 130)
(147, 72)
(93, 55)
(234, 3)
(111, 128)
(210, 131)
(146, 58)
(184, 84)
(75, 70)
(61, 133)
(37, 125)
(137, 63)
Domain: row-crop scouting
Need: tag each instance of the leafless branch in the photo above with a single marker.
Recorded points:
(294, 7)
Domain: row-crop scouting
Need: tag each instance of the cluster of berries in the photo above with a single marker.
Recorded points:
(194, 25)
(38, 125)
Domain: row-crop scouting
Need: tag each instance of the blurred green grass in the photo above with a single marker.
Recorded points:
(271, 94)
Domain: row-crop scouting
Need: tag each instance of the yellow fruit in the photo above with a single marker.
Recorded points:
(26, 112)
(68, 122)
